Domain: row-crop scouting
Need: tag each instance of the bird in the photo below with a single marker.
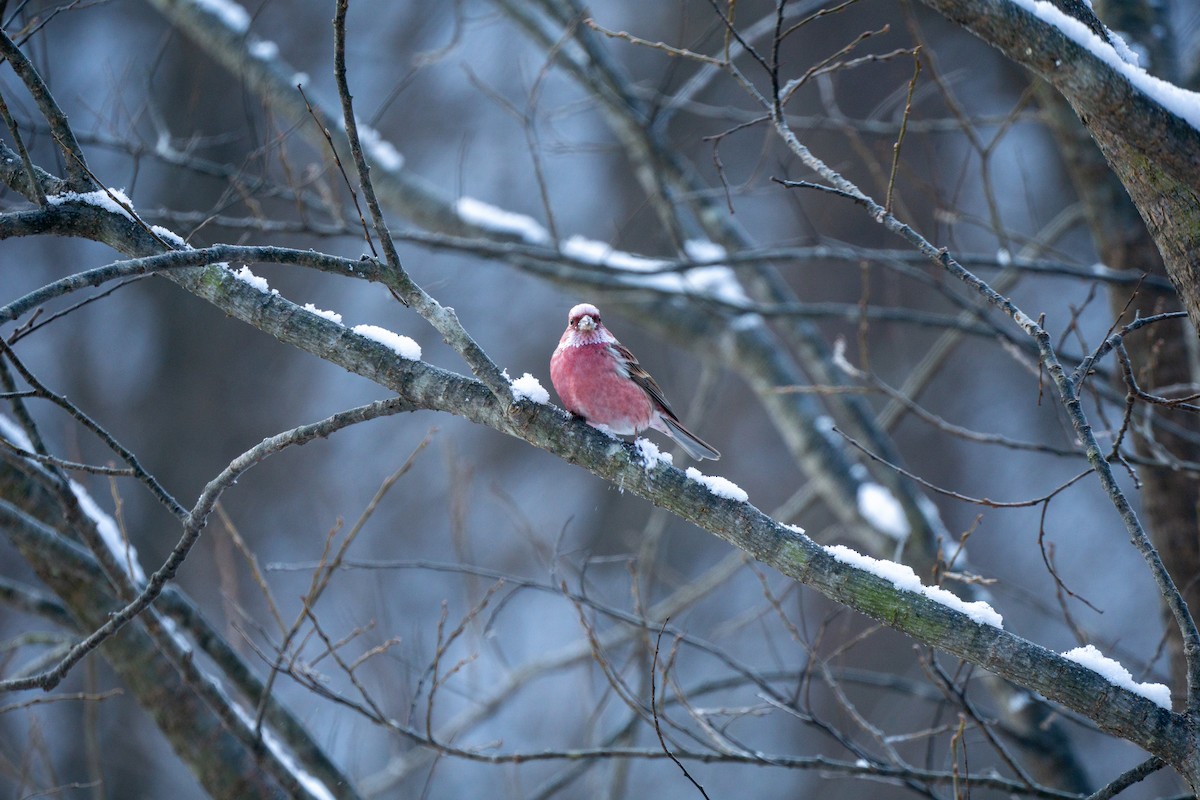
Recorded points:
(598, 379)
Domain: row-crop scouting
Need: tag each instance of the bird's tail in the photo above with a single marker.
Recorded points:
(696, 447)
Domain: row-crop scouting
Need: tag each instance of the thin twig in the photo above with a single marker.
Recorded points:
(680, 52)
(654, 709)
(912, 86)
(980, 501)
(442, 318)
(345, 178)
(1128, 778)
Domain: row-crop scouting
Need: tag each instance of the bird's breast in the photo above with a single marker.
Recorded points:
(591, 385)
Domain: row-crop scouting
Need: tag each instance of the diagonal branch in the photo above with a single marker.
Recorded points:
(741, 524)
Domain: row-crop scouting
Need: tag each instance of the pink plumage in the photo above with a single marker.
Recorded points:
(600, 380)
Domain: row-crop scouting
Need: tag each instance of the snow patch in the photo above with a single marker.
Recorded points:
(263, 49)
(721, 487)
(717, 281)
(232, 15)
(839, 360)
(125, 553)
(528, 387)
(246, 276)
(497, 220)
(15, 434)
(332, 316)
(108, 199)
(882, 510)
(704, 250)
(1112, 671)
(1019, 701)
(311, 783)
(902, 577)
(400, 345)
(601, 254)
(1022, 319)
(168, 235)
(650, 454)
(745, 322)
(607, 431)
(381, 151)
(1128, 54)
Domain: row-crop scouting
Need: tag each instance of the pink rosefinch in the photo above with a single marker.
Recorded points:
(599, 380)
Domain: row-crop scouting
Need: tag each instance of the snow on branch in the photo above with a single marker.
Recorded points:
(1112, 671)
(902, 577)
(402, 346)
(1180, 102)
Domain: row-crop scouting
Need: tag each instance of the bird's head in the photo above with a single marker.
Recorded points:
(584, 318)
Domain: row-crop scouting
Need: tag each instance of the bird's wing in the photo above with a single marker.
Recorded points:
(637, 373)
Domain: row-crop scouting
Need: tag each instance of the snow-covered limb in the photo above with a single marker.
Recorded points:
(113, 200)
(124, 553)
(902, 577)
(183, 690)
(718, 282)
(311, 783)
(1122, 103)
(217, 255)
(194, 521)
(1117, 55)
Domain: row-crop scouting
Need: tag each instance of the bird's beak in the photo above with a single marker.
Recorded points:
(587, 324)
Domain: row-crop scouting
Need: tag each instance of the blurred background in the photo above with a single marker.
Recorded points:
(479, 108)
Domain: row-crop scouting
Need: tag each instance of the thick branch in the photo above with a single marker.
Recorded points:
(1116, 710)
(1155, 153)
